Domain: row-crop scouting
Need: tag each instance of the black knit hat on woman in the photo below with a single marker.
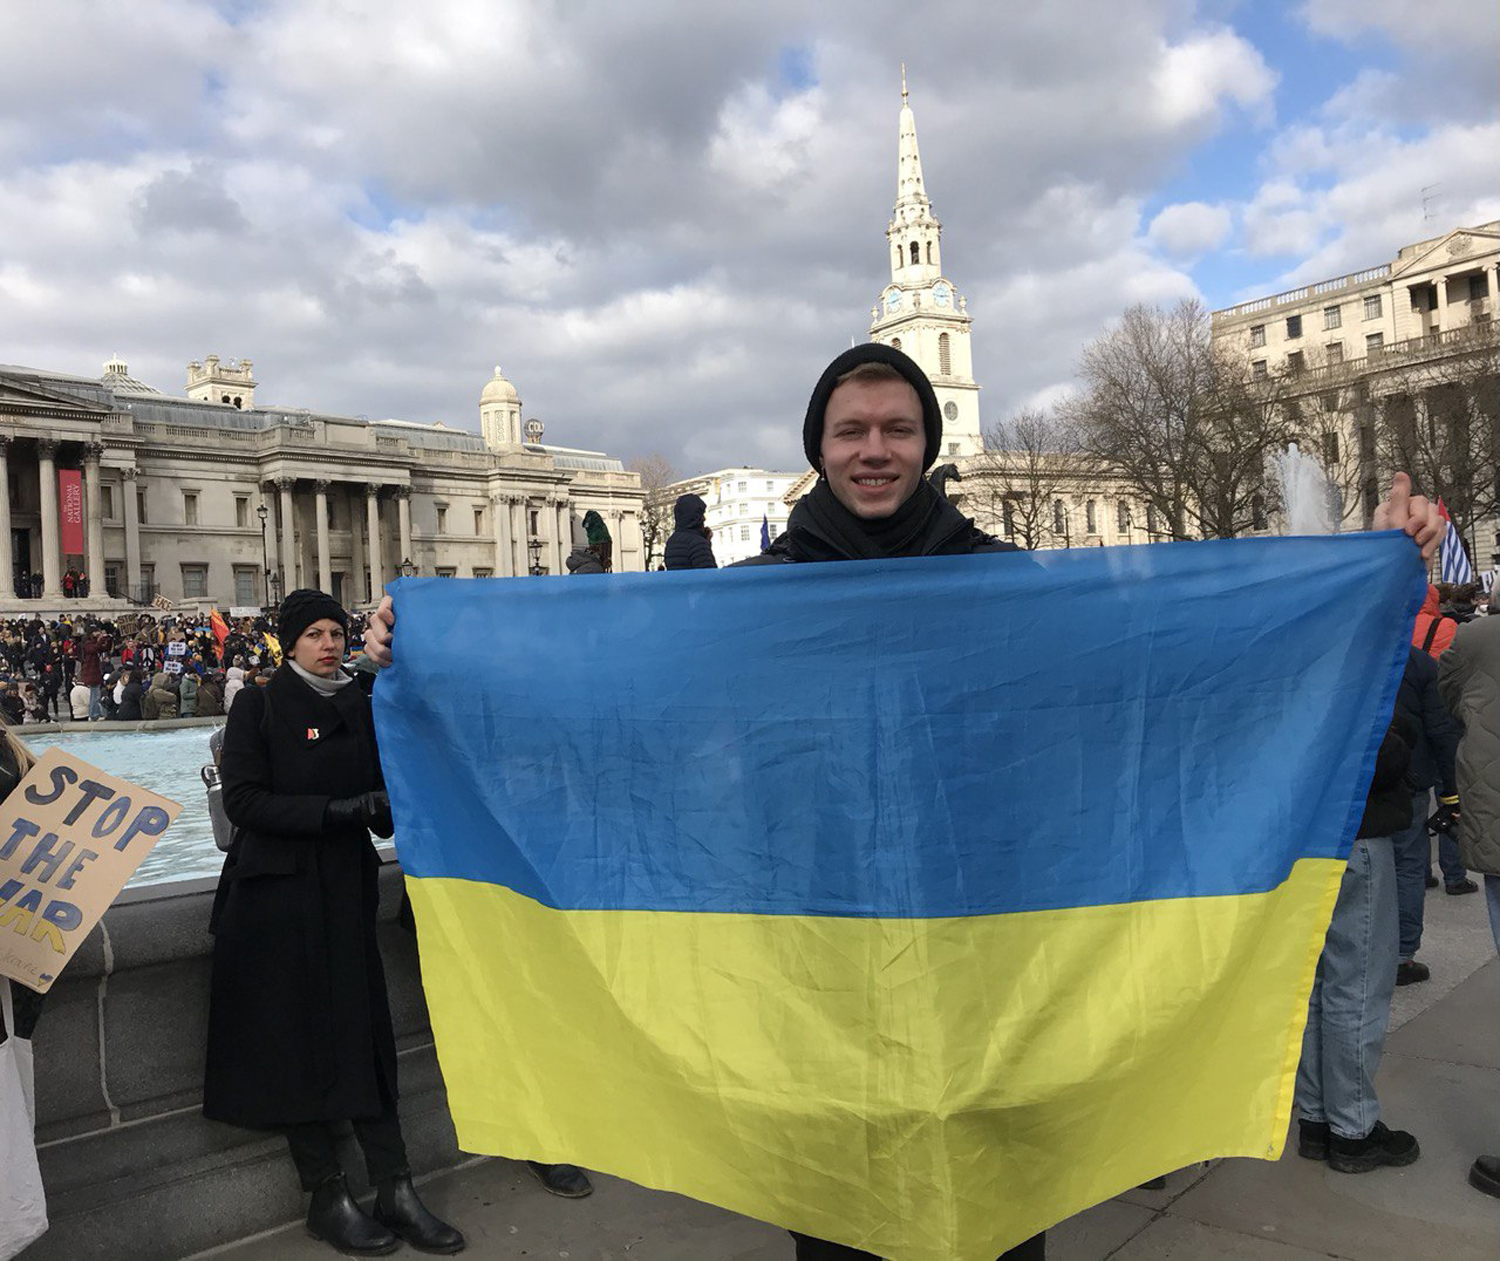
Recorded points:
(872, 352)
(301, 609)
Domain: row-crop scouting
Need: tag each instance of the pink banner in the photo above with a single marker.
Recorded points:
(70, 508)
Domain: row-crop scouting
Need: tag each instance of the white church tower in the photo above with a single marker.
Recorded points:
(920, 311)
(500, 413)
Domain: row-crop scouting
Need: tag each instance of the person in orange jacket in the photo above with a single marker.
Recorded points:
(1433, 633)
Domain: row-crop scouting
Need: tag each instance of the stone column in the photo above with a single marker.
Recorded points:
(562, 535)
(1492, 284)
(132, 532)
(93, 518)
(325, 562)
(46, 456)
(7, 549)
(358, 592)
(1440, 285)
(288, 536)
(500, 527)
(377, 558)
(520, 558)
(403, 522)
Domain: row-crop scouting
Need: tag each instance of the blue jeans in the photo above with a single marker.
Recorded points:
(1492, 896)
(1351, 997)
(1454, 871)
(96, 708)
(1413, 854)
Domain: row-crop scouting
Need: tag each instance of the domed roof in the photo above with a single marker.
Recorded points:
(499, 390)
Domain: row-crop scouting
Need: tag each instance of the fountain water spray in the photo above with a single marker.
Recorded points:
(1310, 503)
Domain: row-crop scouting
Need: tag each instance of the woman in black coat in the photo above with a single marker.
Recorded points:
(299, 1028)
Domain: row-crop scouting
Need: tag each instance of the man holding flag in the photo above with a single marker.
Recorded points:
(872, 429)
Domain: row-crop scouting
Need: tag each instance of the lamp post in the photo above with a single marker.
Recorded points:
(534, 548)
(408, 570)
(265, 556)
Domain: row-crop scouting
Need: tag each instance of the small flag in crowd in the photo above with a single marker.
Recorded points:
(220, 628)
(765, 532)
(274, 645)
(1453, 559)
(912, 958)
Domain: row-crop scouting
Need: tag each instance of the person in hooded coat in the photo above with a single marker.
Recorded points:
(161, 700)
(234, 680)
(299, 1027)
(688, 546)
(129, 708)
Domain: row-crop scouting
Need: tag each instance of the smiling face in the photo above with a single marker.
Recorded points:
(320, 648)
(873, 445)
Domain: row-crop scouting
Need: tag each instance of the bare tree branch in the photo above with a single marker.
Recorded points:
(657, 476)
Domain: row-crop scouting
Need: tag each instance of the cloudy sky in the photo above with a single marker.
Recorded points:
(662, 219)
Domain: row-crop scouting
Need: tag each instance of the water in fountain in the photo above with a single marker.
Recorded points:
(1309, 501)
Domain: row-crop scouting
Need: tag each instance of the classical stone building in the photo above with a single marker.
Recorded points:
(1393, 365)
(215, 499)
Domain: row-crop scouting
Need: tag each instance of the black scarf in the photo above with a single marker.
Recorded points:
(820, 528)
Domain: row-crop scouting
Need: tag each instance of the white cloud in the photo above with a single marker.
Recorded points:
(1190, 227)
(1194, 78)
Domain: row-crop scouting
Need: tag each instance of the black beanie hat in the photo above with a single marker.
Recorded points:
(872, 352)
(301, 609)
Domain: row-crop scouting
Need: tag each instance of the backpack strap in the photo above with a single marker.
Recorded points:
(1432, 631)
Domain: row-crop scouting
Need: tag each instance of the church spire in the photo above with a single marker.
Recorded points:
(913, 233)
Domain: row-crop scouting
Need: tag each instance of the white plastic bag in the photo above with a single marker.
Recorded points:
(23, 1202)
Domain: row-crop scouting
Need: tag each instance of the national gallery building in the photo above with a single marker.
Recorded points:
(209, 499)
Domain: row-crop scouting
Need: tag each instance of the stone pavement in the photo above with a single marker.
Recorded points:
(1440, 1079)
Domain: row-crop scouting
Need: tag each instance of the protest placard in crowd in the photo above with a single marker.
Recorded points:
(70, 837)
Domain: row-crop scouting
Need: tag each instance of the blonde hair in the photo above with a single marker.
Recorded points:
(874, 370)
(25, 758)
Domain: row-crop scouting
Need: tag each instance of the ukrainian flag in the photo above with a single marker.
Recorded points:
(913, 904)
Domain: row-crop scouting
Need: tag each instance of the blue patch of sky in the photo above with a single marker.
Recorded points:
(795, 70)
(1230, 166)
(381, 208)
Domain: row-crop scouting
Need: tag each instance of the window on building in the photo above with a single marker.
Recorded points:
(194, 581)
(743, 486)
(1333, 317)
(446, 571)
(442, 521)
(112, 579)
(1257, 336)
(1258, 369)
(140, 506)
(895, 343)
(1257, 512)
(1335, 352)
(1150, 518)
(945, 355)
(900, 257)
(1122, 517)
(1294, 361)
(744, 534)
(478, 521)
(246, 586)
(916, 253)
(1059, 517)
(107, 502)
(770, 488)
(1478, 290)
(531, 517)
(1331, 448)
(1091, 516)
(1294, 326)
(148, 579)
(1372, 307)
(1373, 343)
(1008, 516)
(953, 448)
(241, 513)
(190, 507)
(484, 573)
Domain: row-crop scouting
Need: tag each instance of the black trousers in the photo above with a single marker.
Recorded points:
(314, 1147)
(809, 1249)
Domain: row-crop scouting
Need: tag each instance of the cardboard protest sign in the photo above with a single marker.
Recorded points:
(70, 837)
(173, 667)
(177, 648)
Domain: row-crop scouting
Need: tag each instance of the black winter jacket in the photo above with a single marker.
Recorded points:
(1388, 805)
(687, 548)
(1433, 756)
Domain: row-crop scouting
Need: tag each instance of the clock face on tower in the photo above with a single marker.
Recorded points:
(892, 299)
(942, 295)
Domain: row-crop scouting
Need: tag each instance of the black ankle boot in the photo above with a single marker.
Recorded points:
(568, 1181)
(397, 1206)
(335, 1218)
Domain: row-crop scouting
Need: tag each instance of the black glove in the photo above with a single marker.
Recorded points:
(1445, 818)
(368, 810)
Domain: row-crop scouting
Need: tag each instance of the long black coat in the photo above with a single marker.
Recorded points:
(299, 1026)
